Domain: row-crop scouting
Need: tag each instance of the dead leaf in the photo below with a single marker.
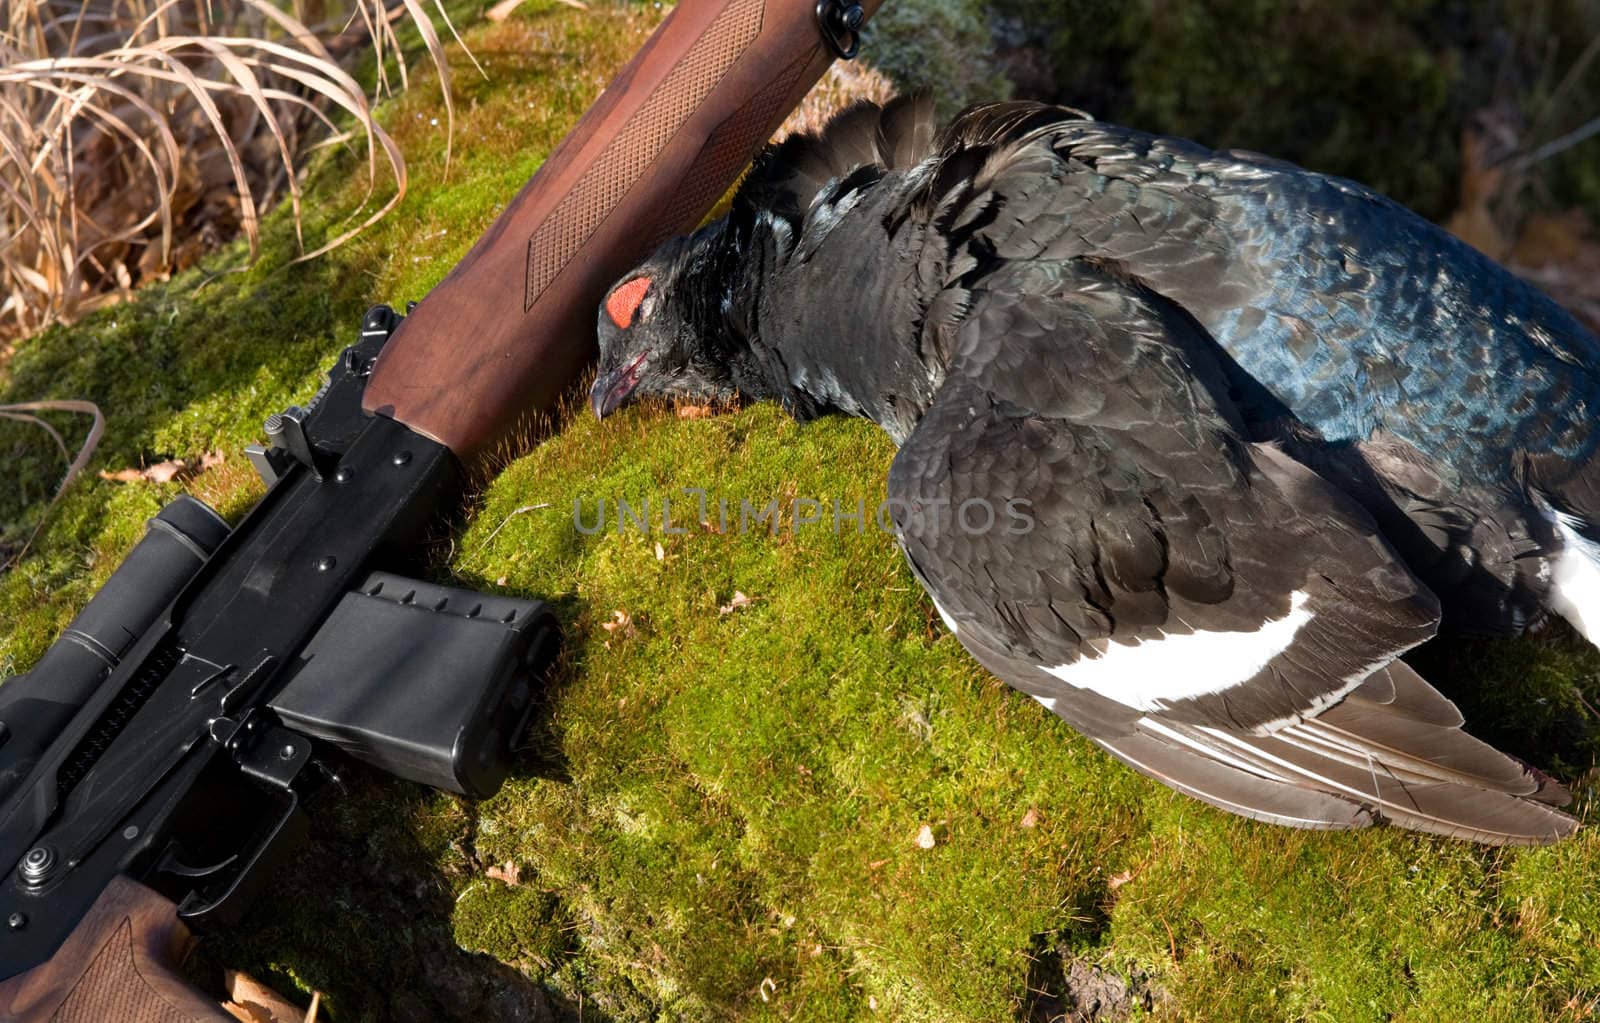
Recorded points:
(620, 625)
(508, 872)
(925, 839)
(502, 10)
(739, 600)
(1030, 819)
(123, 475)
(161, 472)
(1119, 880)
(254, 1002)
(171, 469)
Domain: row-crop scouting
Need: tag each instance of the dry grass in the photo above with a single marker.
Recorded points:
(136, 135)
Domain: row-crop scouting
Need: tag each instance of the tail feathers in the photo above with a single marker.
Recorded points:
(1003, 123)
(1391, 707)
(1391, 752)
(851, 138)
(906, 131)
(1367, 741)
(1453, 811)
(1492, 818)
(1417, 733)
(1399, 711)
(1550, 792)
(789, 176)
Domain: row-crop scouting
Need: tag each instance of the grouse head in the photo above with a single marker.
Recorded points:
(728, 311)
(657, 336)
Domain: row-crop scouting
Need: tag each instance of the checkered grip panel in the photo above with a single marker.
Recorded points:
(111, 989)
(652, 126)
(727, 149)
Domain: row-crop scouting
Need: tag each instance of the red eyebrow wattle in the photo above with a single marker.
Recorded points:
(623, 304)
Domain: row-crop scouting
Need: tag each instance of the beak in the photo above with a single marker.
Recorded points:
(611, 390)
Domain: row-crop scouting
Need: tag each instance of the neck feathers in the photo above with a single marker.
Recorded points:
(835, 283)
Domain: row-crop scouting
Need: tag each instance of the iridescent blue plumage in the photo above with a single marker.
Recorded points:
(1410, 331)
(1453, 398)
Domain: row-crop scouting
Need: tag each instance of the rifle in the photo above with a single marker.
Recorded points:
(156, 761)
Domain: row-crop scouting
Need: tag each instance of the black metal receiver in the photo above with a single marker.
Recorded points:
(172, 733)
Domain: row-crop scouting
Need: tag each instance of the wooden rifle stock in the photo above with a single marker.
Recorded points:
(120, 964)
(513, 324)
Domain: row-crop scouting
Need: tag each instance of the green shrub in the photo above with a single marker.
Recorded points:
(942, 45)
(1370, 90)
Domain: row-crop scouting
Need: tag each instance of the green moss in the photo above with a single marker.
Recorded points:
(515, 924)
(718, 813)
(784, 755)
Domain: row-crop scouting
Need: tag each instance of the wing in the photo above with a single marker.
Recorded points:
(1134, 526)
(1209, 610)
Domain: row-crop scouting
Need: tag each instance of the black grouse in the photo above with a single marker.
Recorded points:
(1152, 405)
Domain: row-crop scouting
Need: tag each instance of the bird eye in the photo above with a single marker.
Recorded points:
(623, 305)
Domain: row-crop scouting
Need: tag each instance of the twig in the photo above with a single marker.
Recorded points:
(520, 511)
(1559, 145)
(1568, 80)
(90, 443)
